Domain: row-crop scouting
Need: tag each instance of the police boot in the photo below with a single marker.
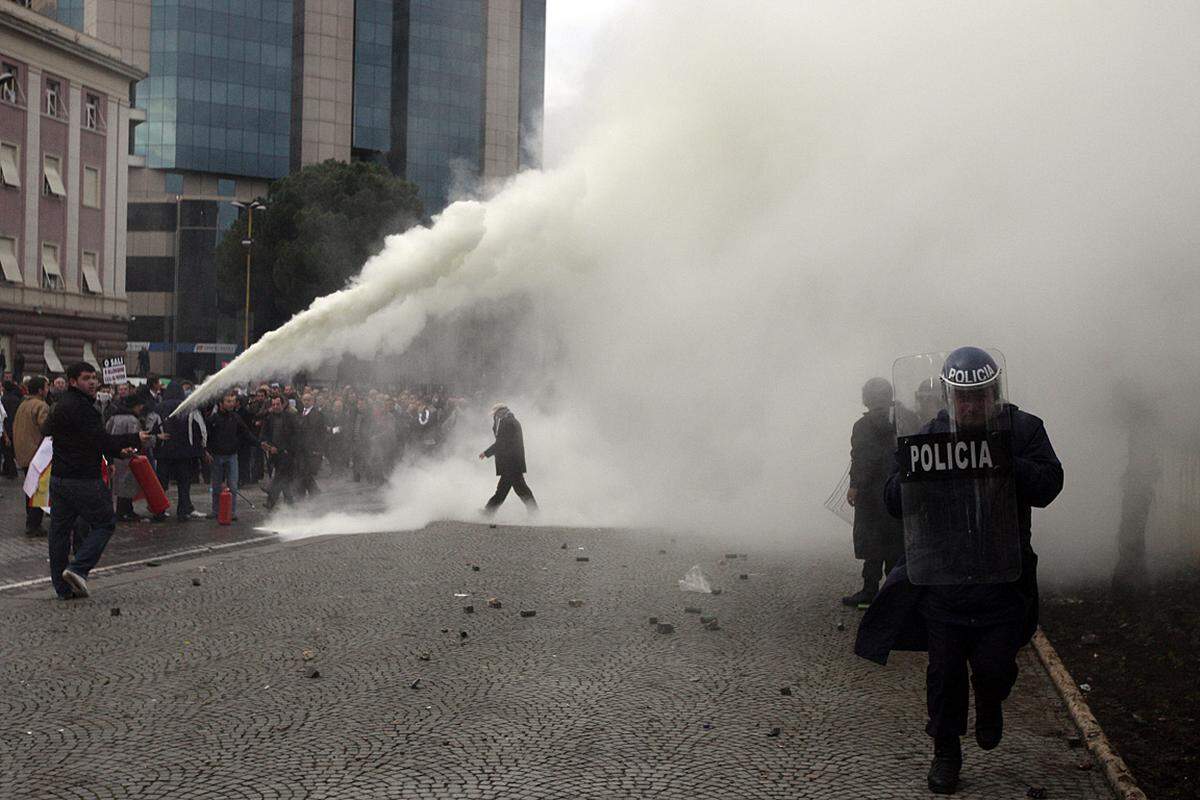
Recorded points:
(947, 763)
(863, 597)
(989, 724)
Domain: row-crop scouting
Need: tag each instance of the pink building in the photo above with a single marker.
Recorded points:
(64, 171)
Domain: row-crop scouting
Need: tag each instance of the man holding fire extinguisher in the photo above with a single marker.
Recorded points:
(227, 431)
(76, 486)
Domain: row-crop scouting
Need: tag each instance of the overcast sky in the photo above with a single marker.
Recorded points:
(571, 29)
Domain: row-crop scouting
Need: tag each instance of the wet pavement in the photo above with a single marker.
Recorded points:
(24, 558)
(348, 667)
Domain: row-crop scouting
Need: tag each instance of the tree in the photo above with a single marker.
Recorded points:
(320, 226)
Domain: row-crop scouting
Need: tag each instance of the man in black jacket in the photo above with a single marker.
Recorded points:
(509, 450)
(311, 432)
(177, 456)
(11, 400)
(279, 441)
(226, 433)
(76, 487)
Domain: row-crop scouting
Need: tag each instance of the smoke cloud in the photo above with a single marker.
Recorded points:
(768, 204)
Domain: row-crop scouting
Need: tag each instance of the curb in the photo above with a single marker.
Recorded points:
(1120, 779)
(195, 551)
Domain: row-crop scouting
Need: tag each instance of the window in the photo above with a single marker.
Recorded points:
(173, 183)
(91, 272)
(10, 164)
(52, 169)
(51, 274)
(9, 86)
(91, 112)
(91, 187)
(8, 259)
(50, 355)
(54, 106)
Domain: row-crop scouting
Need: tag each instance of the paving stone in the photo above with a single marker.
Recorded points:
(184, 696)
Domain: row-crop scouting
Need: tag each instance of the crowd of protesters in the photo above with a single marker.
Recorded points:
(281, 437)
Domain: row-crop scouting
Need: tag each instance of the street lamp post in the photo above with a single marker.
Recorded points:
(247, 242)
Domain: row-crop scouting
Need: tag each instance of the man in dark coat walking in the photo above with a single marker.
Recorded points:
(179, 455)
(509, 450)
(311, 433)
(279, 441)
(980, 624)
(878, 536)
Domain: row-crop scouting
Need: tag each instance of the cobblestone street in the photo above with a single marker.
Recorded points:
(347, 667)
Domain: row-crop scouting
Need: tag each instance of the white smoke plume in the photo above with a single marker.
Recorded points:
(769, 203)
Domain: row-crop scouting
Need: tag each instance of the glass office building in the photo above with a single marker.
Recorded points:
(533, 81)
(372, 75)
(444, 117)
(70, 12)
(218, 98)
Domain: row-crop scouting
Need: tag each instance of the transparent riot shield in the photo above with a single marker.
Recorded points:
(956, 473)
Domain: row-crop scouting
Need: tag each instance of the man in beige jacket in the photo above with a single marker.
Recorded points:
(27, 438)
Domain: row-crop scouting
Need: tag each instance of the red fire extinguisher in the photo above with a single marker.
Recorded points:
(225, 506)
(143, 473)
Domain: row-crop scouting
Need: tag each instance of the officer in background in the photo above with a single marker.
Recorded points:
(878, 536)
(966, 589)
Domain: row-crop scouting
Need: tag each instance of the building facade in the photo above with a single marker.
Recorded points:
(65, 123)
(237, 93)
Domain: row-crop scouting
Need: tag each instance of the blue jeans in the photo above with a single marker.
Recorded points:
(224, 470)
(70, 499)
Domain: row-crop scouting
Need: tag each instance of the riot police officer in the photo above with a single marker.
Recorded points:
(966, 588)
(878, 536)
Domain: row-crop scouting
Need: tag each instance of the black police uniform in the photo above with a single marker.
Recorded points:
(982, 625)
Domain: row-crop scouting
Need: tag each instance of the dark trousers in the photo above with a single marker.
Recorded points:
(180, 471)
(72, 499)
(33, 517)
(33, 514)
(281, 481)
(992, 654)
(517, 484)
(305, 478)
(9, 467)
(875, 569)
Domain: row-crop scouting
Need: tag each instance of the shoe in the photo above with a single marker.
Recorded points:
(197, 514)
(210, 516)
(34, 532)
(68, 596)
(233, 518)
(989, 725)
(947, 764)
(76, 582)
(862, 598)
(159, 518)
